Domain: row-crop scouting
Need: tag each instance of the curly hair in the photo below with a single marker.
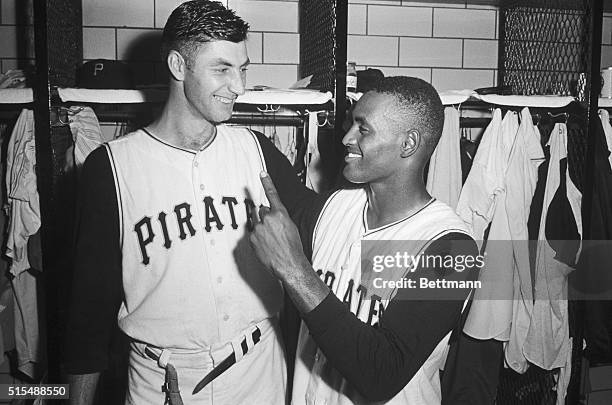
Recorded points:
(196, 22)
(419, 101)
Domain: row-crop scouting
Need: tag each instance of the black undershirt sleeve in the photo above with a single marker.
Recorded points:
(378, 361)
(96, 289)
(303, 204)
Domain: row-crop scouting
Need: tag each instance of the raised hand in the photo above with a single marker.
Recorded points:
(275, 238)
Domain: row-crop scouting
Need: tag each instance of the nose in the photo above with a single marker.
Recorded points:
(237, 83)
(349, 138)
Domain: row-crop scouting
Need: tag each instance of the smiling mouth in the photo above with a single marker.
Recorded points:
(224, 100)
(353, 155)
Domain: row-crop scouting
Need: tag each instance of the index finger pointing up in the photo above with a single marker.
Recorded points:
(271, 193)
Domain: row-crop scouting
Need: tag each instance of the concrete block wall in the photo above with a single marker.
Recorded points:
(114, 29)
(16, 34)
(450, 43)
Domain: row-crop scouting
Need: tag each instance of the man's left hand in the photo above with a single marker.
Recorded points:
(275, 238)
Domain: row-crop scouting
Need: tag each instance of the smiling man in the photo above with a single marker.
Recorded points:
(162, 234)
(358, 343)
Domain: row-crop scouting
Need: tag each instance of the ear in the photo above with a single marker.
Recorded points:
(176, 65)
(410, 143)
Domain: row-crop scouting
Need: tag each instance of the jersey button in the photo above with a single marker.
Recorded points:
(226, 317)
(219, 279)
(201, 186)
(212, 242)
(195, 164)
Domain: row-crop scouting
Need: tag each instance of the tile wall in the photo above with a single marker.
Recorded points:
(450, 43)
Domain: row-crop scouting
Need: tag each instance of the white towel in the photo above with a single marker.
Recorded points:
(444, 175)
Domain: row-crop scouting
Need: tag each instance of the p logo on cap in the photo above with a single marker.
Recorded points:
(105, 74)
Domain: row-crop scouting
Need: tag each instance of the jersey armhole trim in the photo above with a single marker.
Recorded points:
(117, 192)
(261, 154)
(325, 206)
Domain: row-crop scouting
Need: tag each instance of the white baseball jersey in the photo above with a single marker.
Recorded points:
(190, 277)
(338, 256)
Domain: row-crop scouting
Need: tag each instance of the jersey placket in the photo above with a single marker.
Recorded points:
(201, 184)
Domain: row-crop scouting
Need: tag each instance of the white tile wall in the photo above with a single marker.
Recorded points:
(448, 3)
(606, 56)
(163, 8)
(606, 31)
(281, 48)
(421, 73)
(9, 42)
(357, 19)
(377, 2)
(480, 53)
(255, 47)
(16, 12)
(454, 79)
(464, 23)
(372, 50)
(99, 43)
(118, 13)
(8, 12)
(265, 15)
(432, 40)
(281, 76)
(138, 44)
(434, 52)
(399, 21)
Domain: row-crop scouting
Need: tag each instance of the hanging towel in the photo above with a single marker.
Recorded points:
(312, 159)
(444, 175)
(86, 134)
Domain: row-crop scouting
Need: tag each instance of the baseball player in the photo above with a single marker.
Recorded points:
(162, 241)
(359, 343)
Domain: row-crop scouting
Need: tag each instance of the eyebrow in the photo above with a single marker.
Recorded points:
(360, 119)
(223, 62)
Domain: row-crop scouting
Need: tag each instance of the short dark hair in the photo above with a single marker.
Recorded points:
(420, 101)
(196, 22)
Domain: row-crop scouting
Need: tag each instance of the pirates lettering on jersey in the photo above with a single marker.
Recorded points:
(355, 297)
(216, 215)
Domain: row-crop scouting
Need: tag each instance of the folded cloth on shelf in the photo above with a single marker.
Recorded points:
(526, 101)
(111, 96)
(16, 96)
(284, 96)
(455, 96)
(604, 102)
(268, 96)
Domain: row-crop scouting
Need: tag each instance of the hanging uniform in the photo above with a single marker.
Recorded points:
(491, 311)
(521, 180)
(24, 221)
(548, 344)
